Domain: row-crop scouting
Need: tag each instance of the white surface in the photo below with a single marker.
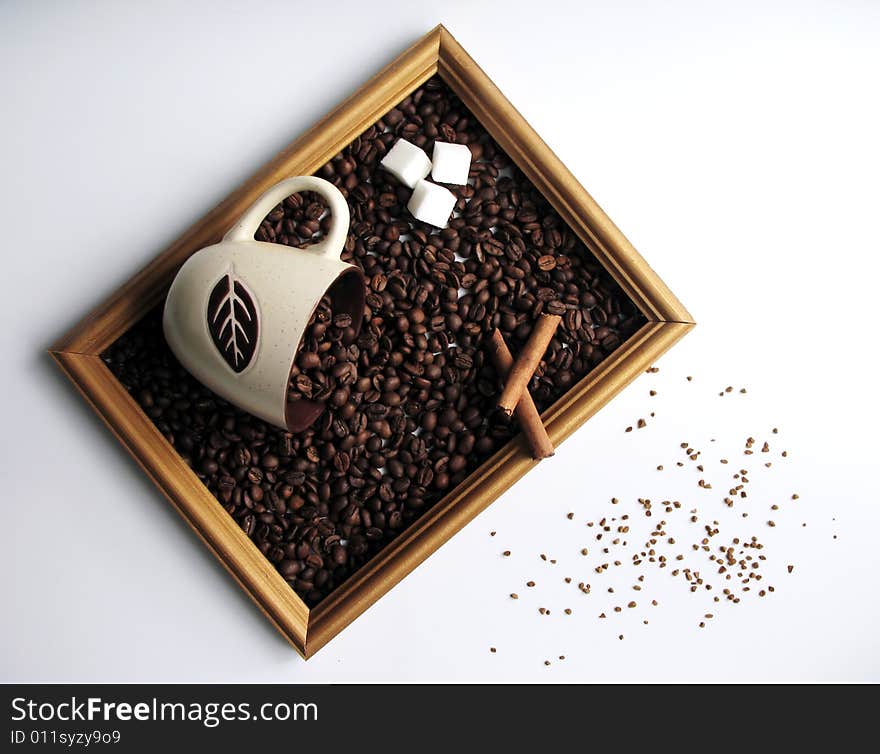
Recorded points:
(431, 203)
(735, 144)
(406, 162)
(450, 163)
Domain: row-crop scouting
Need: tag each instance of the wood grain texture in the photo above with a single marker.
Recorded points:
(78, 353)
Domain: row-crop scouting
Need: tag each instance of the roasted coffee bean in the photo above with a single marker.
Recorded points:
(546, 262)
(339, 554)
(409, 400)
(308, 360)
(321, 370)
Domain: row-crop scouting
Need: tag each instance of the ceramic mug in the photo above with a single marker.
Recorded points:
(236, 311)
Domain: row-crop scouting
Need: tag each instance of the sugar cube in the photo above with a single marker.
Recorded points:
(451, 163)
(431, 203)
(406, 162)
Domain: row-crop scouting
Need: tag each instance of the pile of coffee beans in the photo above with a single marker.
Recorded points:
(326, 363)
(300, 220)
(411, 412)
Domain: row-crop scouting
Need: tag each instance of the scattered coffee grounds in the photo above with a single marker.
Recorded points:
(414, 413)
(325, 367)
(712, 552)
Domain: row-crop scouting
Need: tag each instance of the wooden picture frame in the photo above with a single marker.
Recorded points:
(78, 352)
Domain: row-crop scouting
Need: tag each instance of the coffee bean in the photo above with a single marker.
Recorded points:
(546, 262)
(409, 399)
(323, 378)
(340, 555)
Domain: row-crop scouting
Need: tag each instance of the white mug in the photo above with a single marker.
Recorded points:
(236, 311)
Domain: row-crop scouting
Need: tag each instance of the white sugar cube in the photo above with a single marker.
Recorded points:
(451, 163)
(431, 203)
(406, 162)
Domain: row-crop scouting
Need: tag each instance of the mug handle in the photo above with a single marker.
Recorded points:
(331, 246)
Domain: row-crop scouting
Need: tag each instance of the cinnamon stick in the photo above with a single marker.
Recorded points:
(526, 412)
(524, 367)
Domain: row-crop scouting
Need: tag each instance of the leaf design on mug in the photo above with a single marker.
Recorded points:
(233, 320)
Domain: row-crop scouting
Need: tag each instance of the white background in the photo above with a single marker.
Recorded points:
(736, 144)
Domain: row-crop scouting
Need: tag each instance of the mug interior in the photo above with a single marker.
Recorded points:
(347, 294)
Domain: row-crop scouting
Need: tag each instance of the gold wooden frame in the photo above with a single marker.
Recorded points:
(78, 352)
